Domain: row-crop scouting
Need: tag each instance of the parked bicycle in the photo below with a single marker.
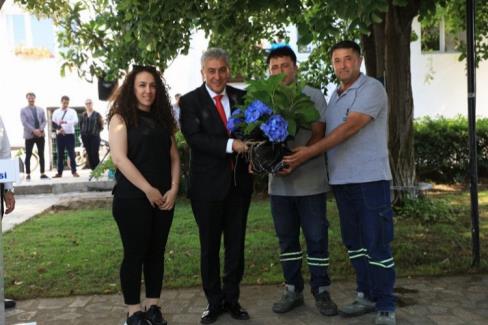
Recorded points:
(81, 156)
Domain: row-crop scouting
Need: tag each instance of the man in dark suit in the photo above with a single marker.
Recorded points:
(220, 185)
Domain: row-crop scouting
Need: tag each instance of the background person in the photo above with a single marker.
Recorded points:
(91, 124)
(7, 197)
(220, 186)
(34, 121)
(299, 200)
(64, 121)
(176, 109)
(143, 149)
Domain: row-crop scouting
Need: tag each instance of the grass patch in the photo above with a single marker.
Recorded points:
(79, 252)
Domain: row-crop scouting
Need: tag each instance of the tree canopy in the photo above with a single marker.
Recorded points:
(104, 37)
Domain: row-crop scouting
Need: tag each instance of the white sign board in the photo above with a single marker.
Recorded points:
(9, 170)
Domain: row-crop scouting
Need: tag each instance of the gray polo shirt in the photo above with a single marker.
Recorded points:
(363, 157)
(311, 177)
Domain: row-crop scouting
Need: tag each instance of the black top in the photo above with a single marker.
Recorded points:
(149, 145)
(91, 125)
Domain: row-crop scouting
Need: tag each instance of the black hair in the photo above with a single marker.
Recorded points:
(281, 52)
(347, 44)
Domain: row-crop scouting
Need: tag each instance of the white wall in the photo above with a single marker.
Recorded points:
(439, 83)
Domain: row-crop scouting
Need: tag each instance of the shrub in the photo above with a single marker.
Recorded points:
(426, 210)
(442, 148)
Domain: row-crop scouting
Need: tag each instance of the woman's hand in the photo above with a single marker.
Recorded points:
(155, 197)
(169, 199)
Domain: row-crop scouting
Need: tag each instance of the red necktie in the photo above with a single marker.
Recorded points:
(223, 118)
(220, 109)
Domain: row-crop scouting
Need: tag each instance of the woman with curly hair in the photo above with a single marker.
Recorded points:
(143, 149)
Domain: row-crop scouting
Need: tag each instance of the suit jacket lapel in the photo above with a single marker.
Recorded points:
(232, 99)
(209, 105)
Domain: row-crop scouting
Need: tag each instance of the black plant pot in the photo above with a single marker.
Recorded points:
(266, 157)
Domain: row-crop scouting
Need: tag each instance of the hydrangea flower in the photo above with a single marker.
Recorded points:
(235, 121)
(276, 128)
(255, 110)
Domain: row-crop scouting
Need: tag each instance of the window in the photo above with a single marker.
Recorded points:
(435, 37)
(18, 26)
(43, 34)
(32, 37)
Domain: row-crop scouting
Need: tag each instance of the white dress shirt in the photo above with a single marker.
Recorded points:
(226, 103)
(66, 122)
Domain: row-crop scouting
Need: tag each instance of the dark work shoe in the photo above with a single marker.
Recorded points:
(385, 318)
(9, 303)
(44, 176)
(138, 318)
(27, 177)
(359, 306)
(288, 301)
(236, 311)
(57, 176)
(75, 174)
(210, 314)
(154, 315)
(325, 305)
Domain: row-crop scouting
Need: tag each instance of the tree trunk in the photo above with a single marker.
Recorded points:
(398, 30)
(379, 37)
(369, 52)
(374, 51)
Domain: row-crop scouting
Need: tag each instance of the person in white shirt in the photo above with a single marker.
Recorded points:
(6, 190)
(64, 121)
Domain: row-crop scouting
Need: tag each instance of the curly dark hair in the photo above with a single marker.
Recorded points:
(124, 101)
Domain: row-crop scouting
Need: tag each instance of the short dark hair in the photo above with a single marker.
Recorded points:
(347, 44)
(30, 94)
(64, 97)
(281, 52)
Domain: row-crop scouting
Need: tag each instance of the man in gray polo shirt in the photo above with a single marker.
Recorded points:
(298, 200)
(359, 171)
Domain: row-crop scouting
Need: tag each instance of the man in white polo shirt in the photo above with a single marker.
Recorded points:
(64, 121)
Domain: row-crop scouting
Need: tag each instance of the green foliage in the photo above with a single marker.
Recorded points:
(285, 100)
(100, 170)
(454, 14)
(442, 150)
(426, 210)
(103, 37)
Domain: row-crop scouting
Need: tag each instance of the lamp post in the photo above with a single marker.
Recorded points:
(473, 164)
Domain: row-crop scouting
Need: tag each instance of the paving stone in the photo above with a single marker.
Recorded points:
(447, 319)
(80, 302)
(54, 303)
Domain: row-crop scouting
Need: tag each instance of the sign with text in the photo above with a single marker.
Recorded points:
(9, 170)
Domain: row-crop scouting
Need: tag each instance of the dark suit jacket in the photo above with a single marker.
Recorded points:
(211, 177)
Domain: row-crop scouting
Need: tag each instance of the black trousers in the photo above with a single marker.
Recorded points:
(66, 141)
(29, 145)
(92, 146)
(227, 217)
(144, 232)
